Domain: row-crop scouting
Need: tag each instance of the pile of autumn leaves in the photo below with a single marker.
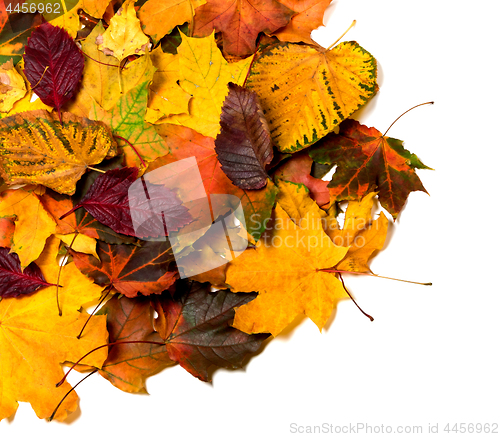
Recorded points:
(146, 95)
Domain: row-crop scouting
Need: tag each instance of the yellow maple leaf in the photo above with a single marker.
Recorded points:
(95, 8)
(363, 235)
(124, 36)
(159, 17)
(296, 201)
(166, 96)
(38, 149)
(35, 341)
(204, 74)
(12, 86)
(80, 243)
(286, 271)
(33, 223)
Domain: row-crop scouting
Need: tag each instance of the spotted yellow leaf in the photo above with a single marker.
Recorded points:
(38, 149)
(306, 91)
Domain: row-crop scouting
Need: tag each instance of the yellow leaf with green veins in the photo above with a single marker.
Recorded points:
(306, 92)
(204, 74)
(33, 223)
(38, 149)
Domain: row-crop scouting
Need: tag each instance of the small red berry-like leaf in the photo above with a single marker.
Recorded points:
(53, 64)
(14, 281)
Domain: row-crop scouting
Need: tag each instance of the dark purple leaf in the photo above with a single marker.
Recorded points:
(142, 209)
(53, 64)
(196, 326)
(13, 281)
(244, 145)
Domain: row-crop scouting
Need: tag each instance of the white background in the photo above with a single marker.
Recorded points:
(432, 353)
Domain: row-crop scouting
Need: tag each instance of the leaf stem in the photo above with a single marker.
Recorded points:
(158, 343)
(331, 46)
(416, 106)
(59, 274)
(373, 274)
(67, 394)
(103, 298)
(133, 148)
(99, 62)
(41, 77)
(355, 303)
(95, 169)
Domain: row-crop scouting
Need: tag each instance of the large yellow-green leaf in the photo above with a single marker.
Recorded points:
(39, 149)
(204, 74)
(306, 92)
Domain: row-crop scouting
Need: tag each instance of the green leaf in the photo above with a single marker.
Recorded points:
(127, 120)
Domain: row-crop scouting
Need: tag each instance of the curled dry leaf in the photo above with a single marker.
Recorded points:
(128, 365)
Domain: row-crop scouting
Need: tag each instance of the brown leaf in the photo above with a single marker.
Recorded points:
(128, 365)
